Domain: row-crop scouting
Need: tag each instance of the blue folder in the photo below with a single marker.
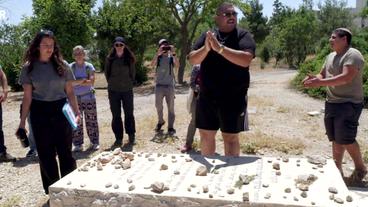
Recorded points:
(69, 114)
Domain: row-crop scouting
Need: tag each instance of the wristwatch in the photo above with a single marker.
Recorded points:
(221, 49)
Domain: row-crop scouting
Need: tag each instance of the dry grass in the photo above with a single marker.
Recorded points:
(13, 201)
(252, 142)
(259, 102)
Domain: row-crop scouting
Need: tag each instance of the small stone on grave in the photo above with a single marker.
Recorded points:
(126, 164)
(349, 198)
(205, 188)
(246, 197)
(131, 187)
(108, 185)
(285, 159)
(193, 185)
(164, 167)
(129, 180)
(158, 187)
(116, 186)
(303, 187)
(287, 190)
(151, 159)
(173, 157)
(304, 194)
(332, 196)
(69, 182)
(82, 185)
(210, 196)
(174, 161)
(230, 191)
(265, 185)
(296, 199)
(176, 172)
(332, 190)
(268, 196)
(276, 166)
(188, 160)
(201, 171)
(339, 200)
(278, 173)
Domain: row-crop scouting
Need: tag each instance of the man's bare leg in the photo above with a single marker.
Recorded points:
(231, 144)
(355, 154)
(208, 143)
(338, 154)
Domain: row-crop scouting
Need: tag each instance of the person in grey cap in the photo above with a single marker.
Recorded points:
(120, 76)
(165, 61)
(342, 74)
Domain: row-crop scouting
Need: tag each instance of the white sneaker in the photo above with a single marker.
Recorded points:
(94, 147)
(77, 148)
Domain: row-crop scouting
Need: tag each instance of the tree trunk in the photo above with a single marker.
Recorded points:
(185, 49)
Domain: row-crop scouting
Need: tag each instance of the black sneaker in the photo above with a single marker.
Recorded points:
(5, 157)
(159, 126)
(171, 131)
(117, 144)
(131, 139)
(31, 153)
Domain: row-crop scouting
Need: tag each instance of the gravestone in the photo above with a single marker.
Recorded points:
(166, 180)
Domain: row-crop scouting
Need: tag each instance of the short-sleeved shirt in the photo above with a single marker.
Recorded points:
(220, 77)
(82, 72)
(46, 83)
(349, 92)
(164, 71)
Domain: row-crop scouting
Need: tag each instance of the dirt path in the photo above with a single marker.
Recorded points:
(276, 113)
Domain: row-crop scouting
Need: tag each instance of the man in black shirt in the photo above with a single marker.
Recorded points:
(225, 55)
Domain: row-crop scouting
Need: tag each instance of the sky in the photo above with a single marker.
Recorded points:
(12, 11)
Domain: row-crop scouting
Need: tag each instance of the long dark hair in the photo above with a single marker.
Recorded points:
(128, 55)
(33, 53)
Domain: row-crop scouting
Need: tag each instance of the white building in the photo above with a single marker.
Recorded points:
(359, 5)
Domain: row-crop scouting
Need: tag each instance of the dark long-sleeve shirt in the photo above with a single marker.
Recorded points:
(119, 75)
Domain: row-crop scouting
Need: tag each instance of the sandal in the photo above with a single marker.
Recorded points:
(358, 175)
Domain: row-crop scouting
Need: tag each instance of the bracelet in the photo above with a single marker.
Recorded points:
(221, 49)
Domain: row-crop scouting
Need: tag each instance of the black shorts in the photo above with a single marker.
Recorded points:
(341, 121)
(227, 114)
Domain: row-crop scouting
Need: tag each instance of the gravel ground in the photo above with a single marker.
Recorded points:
(276, 109)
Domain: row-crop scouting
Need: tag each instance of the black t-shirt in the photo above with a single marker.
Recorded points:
(220, 77)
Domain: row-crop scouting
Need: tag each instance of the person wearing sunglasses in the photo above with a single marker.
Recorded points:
(120, 76)
(47, 85)
(84, 73)
(224, 55)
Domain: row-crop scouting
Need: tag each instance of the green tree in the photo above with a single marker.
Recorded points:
(333, 14)
(70, 20)
(256, 22)
(136, 20)
(297, 47)
(12, 47)
(189, 14)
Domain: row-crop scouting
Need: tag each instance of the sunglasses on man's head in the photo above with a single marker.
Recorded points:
(119, 45)
(229, 14)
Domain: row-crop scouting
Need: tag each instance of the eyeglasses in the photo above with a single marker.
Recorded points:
(119, 45)
(229, 14)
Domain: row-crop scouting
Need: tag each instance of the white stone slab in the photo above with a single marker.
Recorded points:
(89, 186)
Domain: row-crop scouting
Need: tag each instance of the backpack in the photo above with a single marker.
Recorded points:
(171, 63)
(88, 69)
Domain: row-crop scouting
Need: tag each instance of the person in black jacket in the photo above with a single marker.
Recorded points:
(120, 76)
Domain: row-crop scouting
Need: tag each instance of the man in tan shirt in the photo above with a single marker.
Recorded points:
(342, 75)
